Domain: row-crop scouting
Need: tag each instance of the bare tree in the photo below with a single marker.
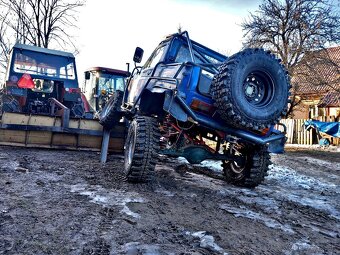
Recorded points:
(297, 31)
(37, 22)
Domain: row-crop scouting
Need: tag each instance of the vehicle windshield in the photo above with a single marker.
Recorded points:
(110, 82)
(42, 64)
(184, 55)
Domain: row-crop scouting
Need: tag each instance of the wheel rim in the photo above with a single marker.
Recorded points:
(258, 89)
(237, 170)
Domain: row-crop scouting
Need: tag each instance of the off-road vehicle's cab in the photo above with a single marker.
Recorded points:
(187, 95)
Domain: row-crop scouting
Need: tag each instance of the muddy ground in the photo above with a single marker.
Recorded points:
(64, 202)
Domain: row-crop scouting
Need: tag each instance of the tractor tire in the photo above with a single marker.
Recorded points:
(251, 89)
(111, 113)
(252, 171)
(8, 104)
(141, 147)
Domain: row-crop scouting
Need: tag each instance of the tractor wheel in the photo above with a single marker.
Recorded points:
(111, 113)
(252, 171)
(8, 104)
(141, 147)
(251, 89)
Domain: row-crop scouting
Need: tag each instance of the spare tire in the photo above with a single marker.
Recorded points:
(251, 89)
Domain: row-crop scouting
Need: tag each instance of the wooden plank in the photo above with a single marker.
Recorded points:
(304, 136)
(299, 131)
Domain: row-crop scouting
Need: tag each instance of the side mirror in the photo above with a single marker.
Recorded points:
(87, 75)
(138, 55)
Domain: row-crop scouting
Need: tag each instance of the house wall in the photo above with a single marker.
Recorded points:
(301, 111)
(334, 111)
(309, 110)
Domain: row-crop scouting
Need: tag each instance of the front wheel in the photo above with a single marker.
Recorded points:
(251, 171)
(111, 113)
(141, 147)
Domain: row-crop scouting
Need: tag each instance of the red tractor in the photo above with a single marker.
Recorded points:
(40, 81)
(101, 83)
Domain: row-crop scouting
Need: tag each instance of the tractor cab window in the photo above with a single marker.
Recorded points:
(67, 72)
(41, 64)
(109, 83)
(44, 86)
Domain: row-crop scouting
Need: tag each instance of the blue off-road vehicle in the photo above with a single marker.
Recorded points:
(188, 100)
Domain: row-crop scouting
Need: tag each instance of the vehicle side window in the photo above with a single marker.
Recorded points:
(156, 56)
(183, 55)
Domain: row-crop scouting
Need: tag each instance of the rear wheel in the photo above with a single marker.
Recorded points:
(251, 89)
(252, 170)
(111, 113)
(141, 147)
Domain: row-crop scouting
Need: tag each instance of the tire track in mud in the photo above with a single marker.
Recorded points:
(181, 202)
(103, 183)
(270, 202)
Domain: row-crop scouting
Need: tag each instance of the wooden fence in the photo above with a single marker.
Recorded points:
(297, 134)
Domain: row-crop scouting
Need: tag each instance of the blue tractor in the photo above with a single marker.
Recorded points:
(190, 101)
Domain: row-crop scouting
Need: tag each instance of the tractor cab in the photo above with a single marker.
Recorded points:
(101, 83)
(35, 76)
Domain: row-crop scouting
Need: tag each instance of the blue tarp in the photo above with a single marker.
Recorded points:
(330, 128)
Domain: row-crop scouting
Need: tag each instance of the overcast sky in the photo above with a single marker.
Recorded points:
(110, 30)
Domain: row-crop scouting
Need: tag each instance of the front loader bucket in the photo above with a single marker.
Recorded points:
(19, 129)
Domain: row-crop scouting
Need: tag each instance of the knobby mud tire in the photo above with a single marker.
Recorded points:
(111, 113)
(251, 89)
(141, 149)
(254, 169)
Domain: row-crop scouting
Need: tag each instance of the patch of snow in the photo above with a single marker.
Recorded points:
(165, 192)
(246, 213)
(137, 248)
(99, 195)
(290, 177)
(267, 204)
(207, 242)
(182, 160)
(212, 165)
(10, 165)
(304, 247)
(304, 190)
